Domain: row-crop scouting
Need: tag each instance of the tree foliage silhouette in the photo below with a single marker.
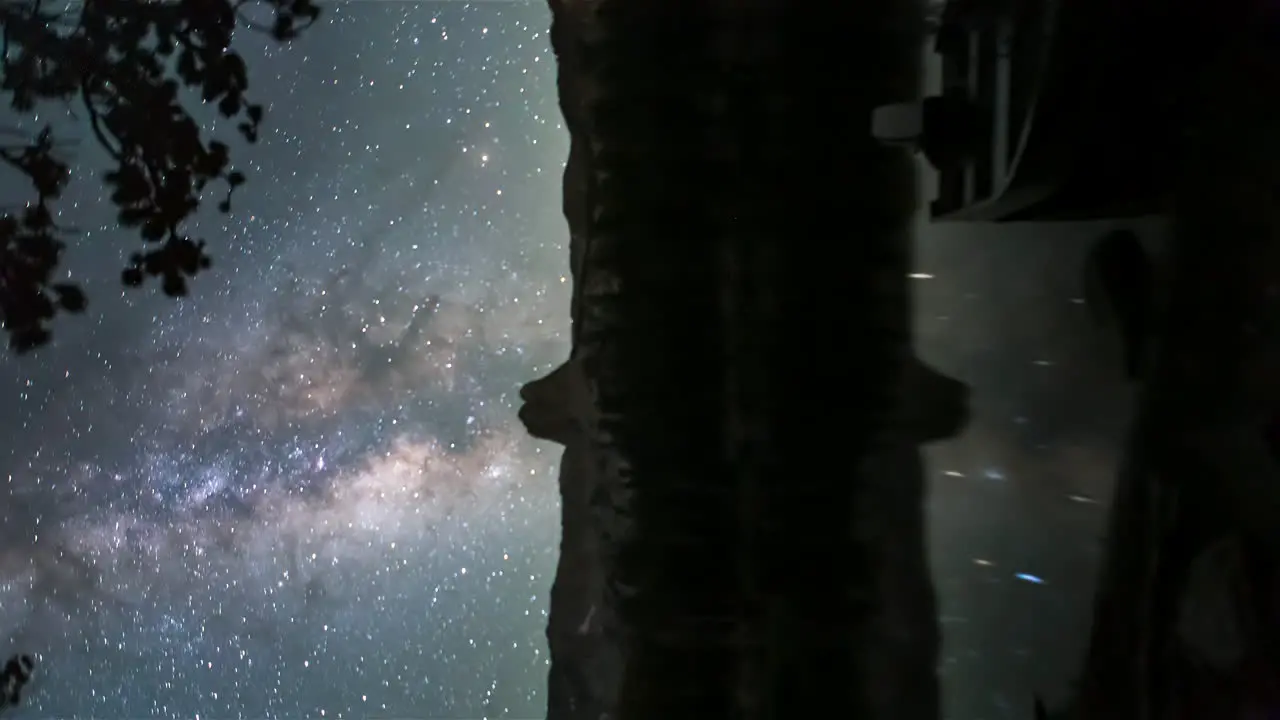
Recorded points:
(121, 66)
(14, 676)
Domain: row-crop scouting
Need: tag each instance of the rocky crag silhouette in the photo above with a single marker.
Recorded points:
(741, 410)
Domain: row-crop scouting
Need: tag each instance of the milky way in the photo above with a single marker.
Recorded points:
(303, 491)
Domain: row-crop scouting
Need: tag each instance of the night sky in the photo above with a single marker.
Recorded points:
(303, 492)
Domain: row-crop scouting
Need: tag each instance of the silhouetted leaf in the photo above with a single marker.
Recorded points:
(21, 341)
(284, 28)
(229, 106)
(174, 285)
(71, 297)
(187, 66)
(19, 669)
(132, 217)
(37, 217)
(237, 75)
(153, 230)
(114, 63)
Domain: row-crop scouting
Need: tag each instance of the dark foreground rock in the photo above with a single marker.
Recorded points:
(742, 414)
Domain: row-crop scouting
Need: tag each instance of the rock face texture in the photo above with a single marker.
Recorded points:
(582, 631)
(741, 411)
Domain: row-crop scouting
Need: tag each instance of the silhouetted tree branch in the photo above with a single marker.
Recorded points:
(124, 63)
(14, 676)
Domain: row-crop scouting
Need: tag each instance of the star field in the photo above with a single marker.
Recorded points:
(303, 492)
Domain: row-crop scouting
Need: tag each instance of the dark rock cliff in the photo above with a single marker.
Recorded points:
(741, 485)
(582, 632)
